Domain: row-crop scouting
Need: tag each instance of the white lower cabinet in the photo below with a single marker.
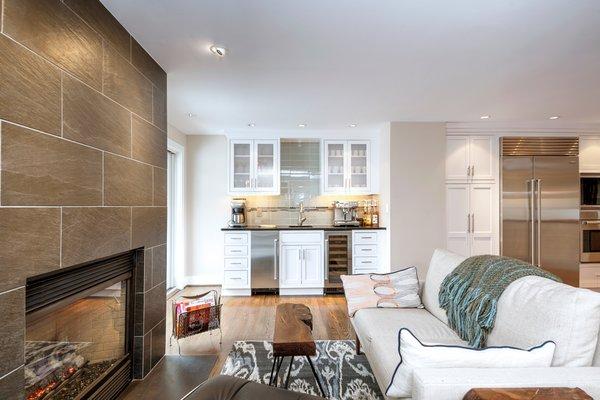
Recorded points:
(365, 252)
(301, 266)
(236, 264)
(290, 266)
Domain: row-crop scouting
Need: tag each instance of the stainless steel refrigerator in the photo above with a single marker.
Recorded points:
(540, 203)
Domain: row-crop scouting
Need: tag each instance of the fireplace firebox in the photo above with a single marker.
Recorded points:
(79, 330)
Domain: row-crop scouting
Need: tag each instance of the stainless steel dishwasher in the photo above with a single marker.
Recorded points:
(264, 262)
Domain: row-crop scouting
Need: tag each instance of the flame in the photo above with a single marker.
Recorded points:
(41, 392)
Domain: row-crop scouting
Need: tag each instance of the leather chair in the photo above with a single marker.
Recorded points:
(224, 387)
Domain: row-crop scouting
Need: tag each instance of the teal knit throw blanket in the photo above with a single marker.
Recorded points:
(470, 293)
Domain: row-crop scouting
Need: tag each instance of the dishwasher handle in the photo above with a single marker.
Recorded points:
(275, 259)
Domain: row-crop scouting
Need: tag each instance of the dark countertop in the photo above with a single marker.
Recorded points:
(301, 228)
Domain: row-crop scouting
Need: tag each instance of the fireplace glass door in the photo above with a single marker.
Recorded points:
(71, 347)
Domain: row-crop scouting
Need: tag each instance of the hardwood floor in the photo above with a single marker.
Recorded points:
(252, 318)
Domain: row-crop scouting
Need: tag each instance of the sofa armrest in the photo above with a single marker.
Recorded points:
(454, 383)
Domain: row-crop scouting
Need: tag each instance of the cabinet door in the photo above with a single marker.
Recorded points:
(589, 154)
(457, 158)
(457, 219)
(240, 166)
(266, 166)
(312, 268)
(481, 156)
(482, 219)
(359, 166)
(335, 166)
(290, 266)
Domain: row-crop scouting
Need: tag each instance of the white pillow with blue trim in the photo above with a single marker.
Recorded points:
(415, 354)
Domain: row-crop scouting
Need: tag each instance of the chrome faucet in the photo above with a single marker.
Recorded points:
(301, 217)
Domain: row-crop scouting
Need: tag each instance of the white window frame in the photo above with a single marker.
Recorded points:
(176, 240)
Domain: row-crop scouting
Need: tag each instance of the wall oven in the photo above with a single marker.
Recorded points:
(590, 236)
(590, 190)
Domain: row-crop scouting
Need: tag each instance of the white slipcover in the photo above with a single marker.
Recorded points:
(533, 309)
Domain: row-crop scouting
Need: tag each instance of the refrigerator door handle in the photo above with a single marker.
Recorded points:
(275, 259)
(530, 191)
(539, 221)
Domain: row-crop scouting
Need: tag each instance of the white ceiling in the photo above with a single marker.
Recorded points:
(329, 63)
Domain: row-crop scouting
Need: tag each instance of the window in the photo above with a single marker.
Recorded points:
(175, 229)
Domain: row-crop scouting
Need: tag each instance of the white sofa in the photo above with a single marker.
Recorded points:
(530, 311)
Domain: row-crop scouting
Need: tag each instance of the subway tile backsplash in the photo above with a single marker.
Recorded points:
(300, 182)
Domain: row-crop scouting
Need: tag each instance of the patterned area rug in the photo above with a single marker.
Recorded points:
(343, 374)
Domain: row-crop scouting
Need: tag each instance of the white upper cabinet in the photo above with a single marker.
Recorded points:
(253, 166)
(347, 166)
(469, 158)
(589, 154)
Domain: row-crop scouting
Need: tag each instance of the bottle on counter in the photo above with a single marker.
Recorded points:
(366, 214)
(374, 216)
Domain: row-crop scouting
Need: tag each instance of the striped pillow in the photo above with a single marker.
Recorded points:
(398, 289)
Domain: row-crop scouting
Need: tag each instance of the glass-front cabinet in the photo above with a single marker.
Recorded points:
(347, 165)
(254, 166)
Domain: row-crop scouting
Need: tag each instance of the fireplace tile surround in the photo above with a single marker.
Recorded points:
(67, 142)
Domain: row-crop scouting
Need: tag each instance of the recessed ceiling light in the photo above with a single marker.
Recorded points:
(191, 115)
(218, 51)
(554, 117)
(353, 125)
(251, 125)
(301, 125)
(485, 117)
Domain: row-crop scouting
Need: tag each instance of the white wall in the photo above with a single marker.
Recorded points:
(416, 220)
(384, 193)
(207, 208)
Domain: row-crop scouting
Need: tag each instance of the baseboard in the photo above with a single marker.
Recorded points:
(301, 292)
(236, 292)
(197, 280)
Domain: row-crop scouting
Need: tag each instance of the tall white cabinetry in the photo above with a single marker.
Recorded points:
(589, 154)
(347, 166)
(301, 265)
(253, 166)
(471, 195)
(470, 158)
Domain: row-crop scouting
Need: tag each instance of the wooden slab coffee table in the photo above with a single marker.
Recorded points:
(293, 338)
(527, 394)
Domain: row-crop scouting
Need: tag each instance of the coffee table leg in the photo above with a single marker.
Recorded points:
(277, 371)
(287, 379)
(316, 376)
(272, 370)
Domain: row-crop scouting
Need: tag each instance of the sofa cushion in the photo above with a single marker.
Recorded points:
(415, 354)
(533, 309)
(398, 289)
(378, 330)
(442, 263)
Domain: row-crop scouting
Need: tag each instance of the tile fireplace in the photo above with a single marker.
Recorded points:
(79, 330)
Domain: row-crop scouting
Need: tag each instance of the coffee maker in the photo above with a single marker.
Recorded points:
(238, 213)
(345, 213)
